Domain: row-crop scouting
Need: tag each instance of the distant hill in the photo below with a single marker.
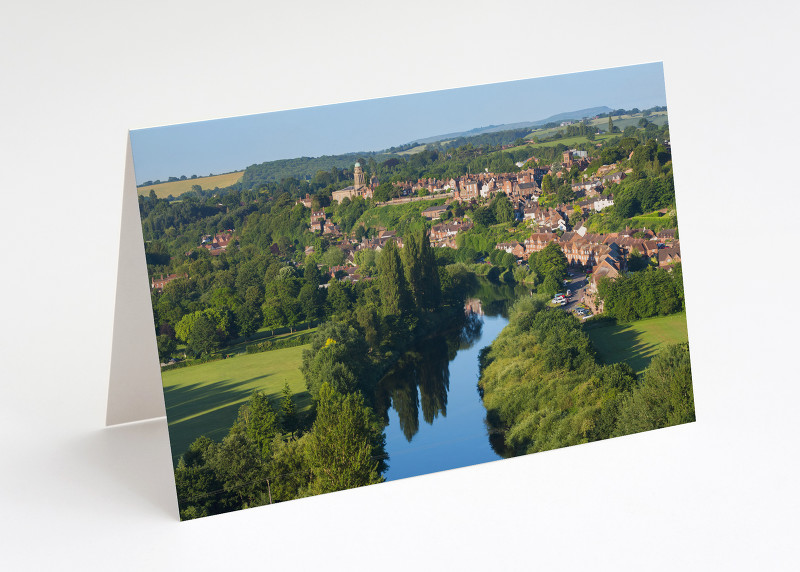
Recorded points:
(305, 167)
(566, 116)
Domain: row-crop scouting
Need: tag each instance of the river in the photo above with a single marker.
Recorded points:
(437, 418)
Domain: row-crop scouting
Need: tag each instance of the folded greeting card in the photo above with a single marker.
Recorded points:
(349, 294)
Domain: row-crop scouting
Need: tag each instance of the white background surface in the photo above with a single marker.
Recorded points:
(717, 494)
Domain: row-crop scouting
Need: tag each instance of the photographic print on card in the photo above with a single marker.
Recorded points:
(368, 291)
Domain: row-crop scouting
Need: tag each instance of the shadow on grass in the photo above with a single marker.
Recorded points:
(210, 409)
(620, 342)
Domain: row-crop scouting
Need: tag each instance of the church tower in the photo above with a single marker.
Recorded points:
(358, 177)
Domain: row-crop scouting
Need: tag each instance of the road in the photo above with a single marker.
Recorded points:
(577, 284)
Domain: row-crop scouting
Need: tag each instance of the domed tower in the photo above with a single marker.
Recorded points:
(358, 177)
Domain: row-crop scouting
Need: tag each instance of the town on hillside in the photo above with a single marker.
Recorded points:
(536, 222)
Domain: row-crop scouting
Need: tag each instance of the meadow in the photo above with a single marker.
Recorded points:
(205, 399)
(177, 188)
(637, 342)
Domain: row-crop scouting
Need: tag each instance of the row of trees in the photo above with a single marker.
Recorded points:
(636, 295)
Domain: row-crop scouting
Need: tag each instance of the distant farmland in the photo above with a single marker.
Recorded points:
(177, 188)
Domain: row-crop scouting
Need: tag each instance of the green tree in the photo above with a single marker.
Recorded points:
(503, 210)
(665, 396)
(338, 356)
(420, 269)
(395, 298)
(345, 445)
(166, 347)
(202, 340)
(547, 183)
(483, 216)
(550, 261)
(248, 314)
(289, 419)
(196, 483)
(239, 465)
(550, 285)
(340, 298)
(259, 421)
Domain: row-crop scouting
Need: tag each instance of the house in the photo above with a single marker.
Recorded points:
(538, 240)
(602, 202)
(591, 187)
(513, 247)
(433, 213)
(467, 190)
(666, 235)
(667, 256)
(615, 178)
(218, 243)
(443, 231)
(526, 190)
(161, 281)
(605, 269)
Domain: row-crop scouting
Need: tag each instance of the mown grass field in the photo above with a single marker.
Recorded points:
(177, 188)
(205, 399)
(637, 342)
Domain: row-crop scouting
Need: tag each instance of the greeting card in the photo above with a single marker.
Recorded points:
(349, 294)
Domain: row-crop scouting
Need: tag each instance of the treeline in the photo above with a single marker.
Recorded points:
(301, 168)
(636, 295)
(272, 455)
(493, 139)
(544, 389)
(171, 180)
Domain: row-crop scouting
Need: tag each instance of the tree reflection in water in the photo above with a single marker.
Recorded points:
(421, 378)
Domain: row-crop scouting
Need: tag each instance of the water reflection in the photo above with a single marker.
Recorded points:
(421, 378)
(496, 299)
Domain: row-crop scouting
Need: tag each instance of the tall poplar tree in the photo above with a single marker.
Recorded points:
(392, 282)
(421, 271)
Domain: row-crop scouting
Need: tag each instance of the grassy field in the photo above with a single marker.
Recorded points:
(177, 188)
(568, 141)
(414, 150)
(637, 342)
(205, 399)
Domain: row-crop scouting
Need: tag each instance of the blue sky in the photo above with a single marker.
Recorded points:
(224, 145)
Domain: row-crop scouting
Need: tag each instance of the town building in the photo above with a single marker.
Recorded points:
(359, 187)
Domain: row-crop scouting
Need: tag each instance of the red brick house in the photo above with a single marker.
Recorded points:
(161, 281)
